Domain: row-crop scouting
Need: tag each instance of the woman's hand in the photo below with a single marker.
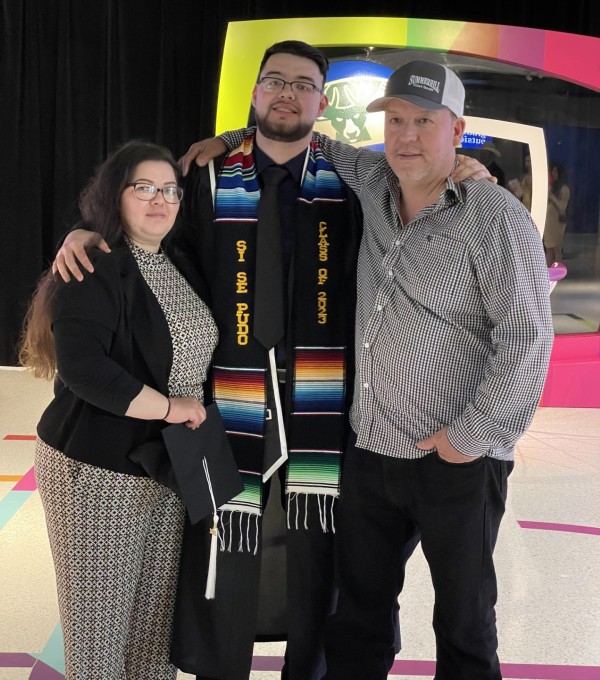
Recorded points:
(152, 405)
(186, 410)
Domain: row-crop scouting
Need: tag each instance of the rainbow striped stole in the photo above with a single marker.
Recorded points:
(318, 346)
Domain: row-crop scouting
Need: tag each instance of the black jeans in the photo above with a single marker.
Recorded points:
(457, 508)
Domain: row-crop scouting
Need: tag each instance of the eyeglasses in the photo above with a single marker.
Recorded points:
(146, 192)
(272, 85)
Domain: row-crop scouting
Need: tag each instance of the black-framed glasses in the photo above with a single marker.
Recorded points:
(146, 192)
(274, 85)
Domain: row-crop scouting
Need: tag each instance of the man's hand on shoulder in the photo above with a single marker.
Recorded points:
(72, 254)
(201, 153)
(470, 168)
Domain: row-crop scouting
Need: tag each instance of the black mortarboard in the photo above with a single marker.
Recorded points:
(202, 461)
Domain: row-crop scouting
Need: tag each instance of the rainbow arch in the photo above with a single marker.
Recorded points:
(568, 56)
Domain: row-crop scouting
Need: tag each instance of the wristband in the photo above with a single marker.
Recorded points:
(168, 409)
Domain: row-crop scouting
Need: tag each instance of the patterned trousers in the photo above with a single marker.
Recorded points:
(115, 541)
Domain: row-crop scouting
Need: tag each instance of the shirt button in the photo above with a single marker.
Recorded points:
(391, 273)
(366, 386)
(379, 308)
(366, 344)
(397, 243)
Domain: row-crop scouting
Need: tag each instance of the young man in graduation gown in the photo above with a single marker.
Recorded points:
(284, 396)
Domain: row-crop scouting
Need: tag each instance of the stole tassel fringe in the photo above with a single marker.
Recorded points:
(245, 528)
(325, 503)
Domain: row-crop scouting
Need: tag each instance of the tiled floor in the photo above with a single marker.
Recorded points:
(547, 558)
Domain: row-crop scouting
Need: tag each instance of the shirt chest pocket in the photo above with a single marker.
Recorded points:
(438, 272)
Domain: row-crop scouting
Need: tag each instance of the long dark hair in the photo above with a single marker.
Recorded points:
(99, 203)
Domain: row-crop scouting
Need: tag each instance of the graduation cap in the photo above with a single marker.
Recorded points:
(198, 465)
(203, 465)
(206, 475)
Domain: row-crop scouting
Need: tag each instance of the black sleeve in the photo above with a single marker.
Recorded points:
(85, 320)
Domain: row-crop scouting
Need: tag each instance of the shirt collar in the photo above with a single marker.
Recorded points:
(294, 166)
(454, 191)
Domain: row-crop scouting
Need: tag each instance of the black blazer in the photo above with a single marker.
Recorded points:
(111, 339)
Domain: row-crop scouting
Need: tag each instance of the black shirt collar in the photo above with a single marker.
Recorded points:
(294, 166)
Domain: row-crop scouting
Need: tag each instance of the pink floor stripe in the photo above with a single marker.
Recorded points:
(267, 663)
(419, 668)
(41, 671)
(19, 438)
(27, 482)
(552, 526)
(510, 671)
(15, 660)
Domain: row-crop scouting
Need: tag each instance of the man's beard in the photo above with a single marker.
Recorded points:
(282, 132)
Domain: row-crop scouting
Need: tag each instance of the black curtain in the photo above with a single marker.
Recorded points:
(79, 76)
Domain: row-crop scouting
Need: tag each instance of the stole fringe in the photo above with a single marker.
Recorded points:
(245, 528)
(326, 503)
(238, 530)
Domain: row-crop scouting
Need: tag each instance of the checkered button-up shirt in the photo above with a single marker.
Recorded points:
(453, 316)
(453, 319)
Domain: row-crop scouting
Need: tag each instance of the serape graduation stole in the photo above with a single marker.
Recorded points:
(319, 331)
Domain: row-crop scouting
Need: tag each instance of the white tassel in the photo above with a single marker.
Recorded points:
(211, 580)
(212, 560)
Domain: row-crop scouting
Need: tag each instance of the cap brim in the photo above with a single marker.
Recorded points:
(382, 102)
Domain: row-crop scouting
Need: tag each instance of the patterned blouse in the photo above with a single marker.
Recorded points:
(193, 331)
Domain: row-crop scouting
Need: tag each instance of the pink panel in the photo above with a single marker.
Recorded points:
(522, 46)
(575, 57)
(27, 482)
(574, 374)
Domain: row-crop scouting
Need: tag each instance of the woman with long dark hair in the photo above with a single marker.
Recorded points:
(129, 348)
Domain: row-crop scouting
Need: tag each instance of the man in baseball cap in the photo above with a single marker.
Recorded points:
(454, 332)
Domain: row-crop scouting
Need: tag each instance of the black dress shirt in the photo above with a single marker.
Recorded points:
(289, 190)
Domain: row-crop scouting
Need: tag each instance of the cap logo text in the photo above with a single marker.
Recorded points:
(424, 83)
